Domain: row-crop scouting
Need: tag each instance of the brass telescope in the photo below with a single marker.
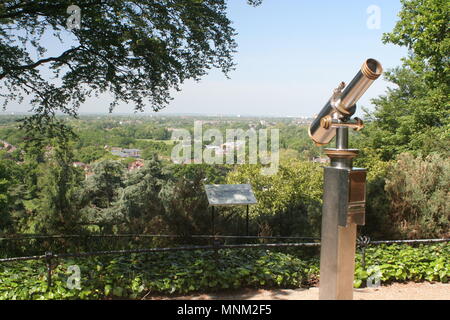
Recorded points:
(344, 194)
(342, 104)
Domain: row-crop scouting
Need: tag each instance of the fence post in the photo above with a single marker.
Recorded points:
(48, 260)
(363, 242)
(216, 244)
(86, 242)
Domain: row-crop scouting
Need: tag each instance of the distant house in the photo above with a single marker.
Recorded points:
(86, 168)
(118, 153)
(79, 164)
(6, 146)
(227, 147)
(135, 165)
(126, 153)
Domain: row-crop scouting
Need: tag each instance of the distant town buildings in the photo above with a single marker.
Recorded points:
(227, 147)
(126, 153)
(138, 164)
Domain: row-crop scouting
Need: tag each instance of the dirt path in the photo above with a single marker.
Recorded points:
(396, 291)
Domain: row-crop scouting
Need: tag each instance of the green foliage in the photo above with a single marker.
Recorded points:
(102, 187)
(290, 200)
(184, 197)
(296, 138)
(205, 271)
(418, 192)
(157, 198)
(406, 198)
(398, 263)
(423, 28)
(89, 154)
(159, 273)
(154, 147)
(116, 200)
(152, 132)
(414, 116)
(6, 181)
(57, 205)
(139, 201)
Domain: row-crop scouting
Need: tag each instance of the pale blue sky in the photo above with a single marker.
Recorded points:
(291, 55)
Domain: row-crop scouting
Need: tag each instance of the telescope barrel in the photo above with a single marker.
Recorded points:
(346, 105)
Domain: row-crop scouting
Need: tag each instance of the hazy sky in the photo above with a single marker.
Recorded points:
(291, 55)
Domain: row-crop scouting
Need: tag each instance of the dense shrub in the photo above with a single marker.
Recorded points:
(289, 202)
(407, 197)
(418, 191)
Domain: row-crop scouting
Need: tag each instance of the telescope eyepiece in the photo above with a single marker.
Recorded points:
(372, 69)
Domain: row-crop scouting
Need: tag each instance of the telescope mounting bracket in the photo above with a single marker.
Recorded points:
(341, 117)
(335, 101)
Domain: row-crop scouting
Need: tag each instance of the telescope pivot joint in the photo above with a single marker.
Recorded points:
(328, 122)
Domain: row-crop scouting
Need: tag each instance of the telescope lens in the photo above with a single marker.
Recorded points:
(372, 69)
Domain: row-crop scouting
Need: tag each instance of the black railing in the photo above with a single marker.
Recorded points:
(32, 244)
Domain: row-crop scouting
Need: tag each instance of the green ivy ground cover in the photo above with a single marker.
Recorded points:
(202, 271)
(405, 263)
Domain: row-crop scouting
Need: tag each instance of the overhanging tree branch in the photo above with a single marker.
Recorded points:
(34, 65)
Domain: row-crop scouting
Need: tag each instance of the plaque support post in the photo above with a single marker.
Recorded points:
(213, 229)
(246, 223)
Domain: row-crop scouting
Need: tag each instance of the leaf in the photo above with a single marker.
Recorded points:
(118, 291)
(107, 289)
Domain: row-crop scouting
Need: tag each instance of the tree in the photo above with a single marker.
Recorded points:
(153, 147)
(58, 202)
(423, 28)
(414, 116)
(90, 153)
(184, 198)
(138, 50)
(102, 187)
(6, 180)
(99, 193)
(139, 204)
(411, 117)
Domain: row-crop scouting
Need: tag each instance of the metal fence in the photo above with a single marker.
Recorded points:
(27, 245)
